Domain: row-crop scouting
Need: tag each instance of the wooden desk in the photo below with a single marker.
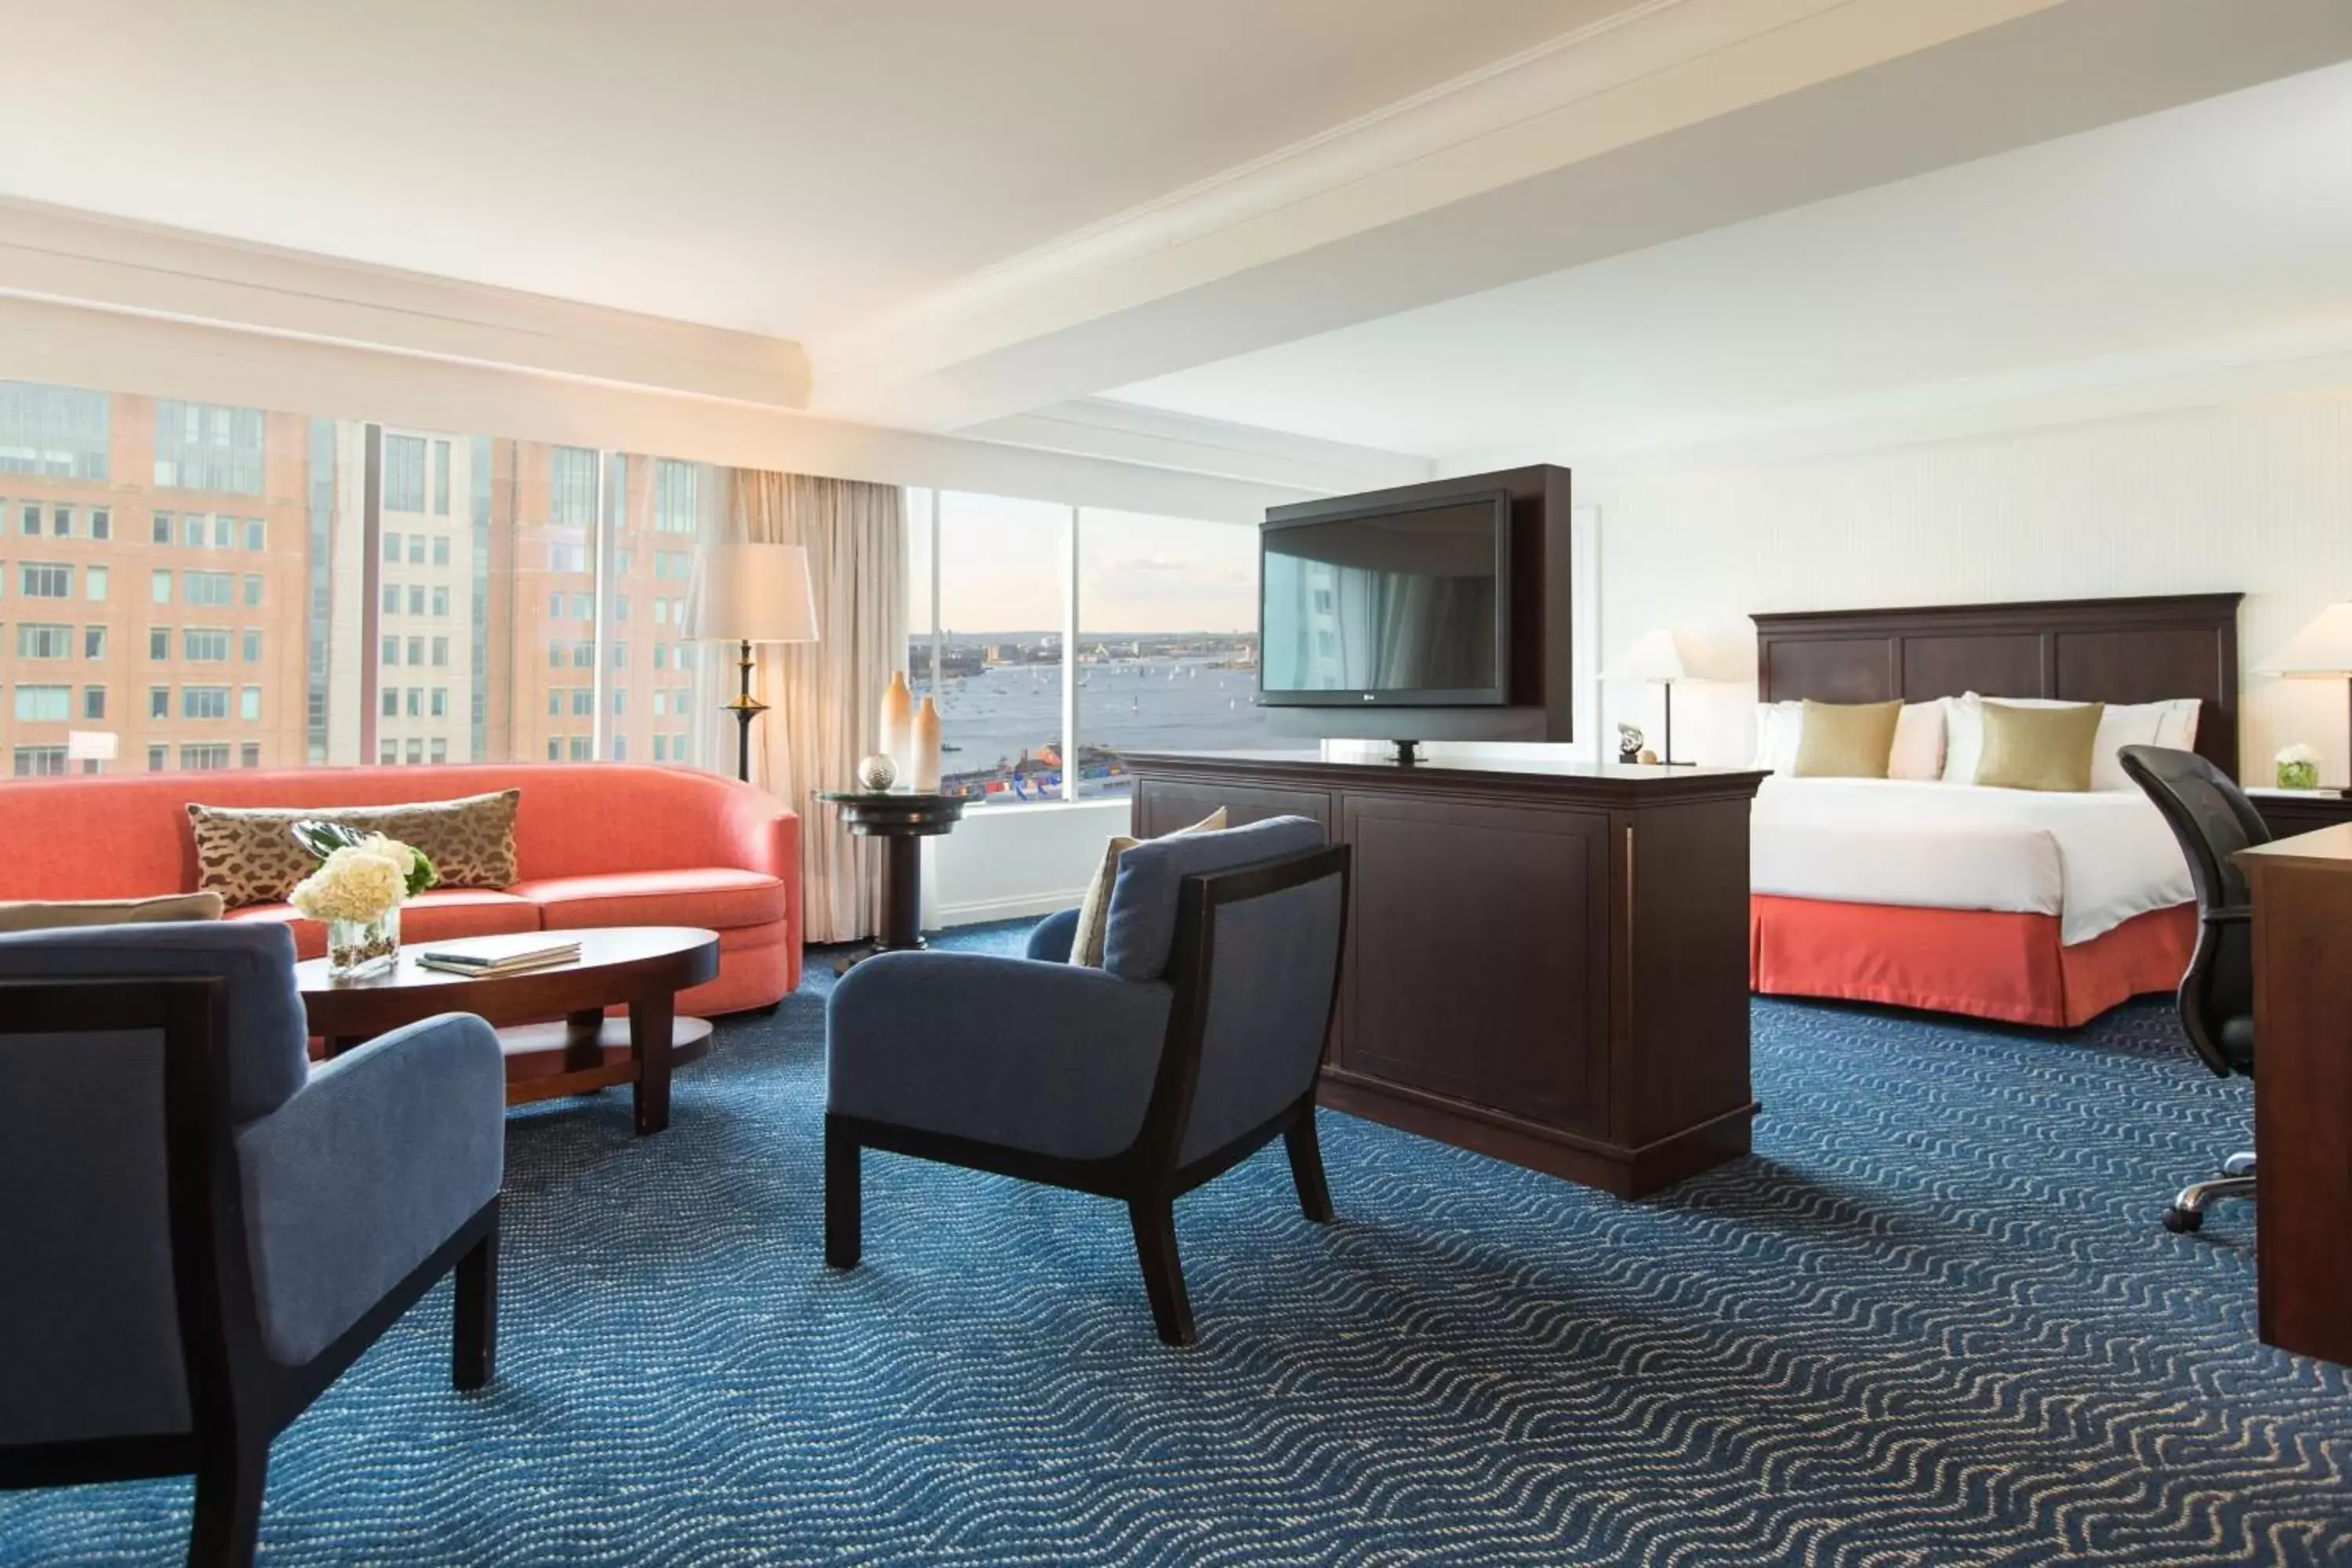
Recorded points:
(2303, 1088)
(1546, 962)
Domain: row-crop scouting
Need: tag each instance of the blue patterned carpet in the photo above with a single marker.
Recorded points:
(1933, 1321)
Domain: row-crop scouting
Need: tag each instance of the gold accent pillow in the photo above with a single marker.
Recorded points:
(2039, 748)
(248, 854)
(57, 915)
(1094, 909)
(1846, 740)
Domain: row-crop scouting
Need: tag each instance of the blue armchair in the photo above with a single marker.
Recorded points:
(1196, 1043)
(203, 1231)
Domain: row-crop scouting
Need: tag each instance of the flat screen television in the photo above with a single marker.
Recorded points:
(1401, 603)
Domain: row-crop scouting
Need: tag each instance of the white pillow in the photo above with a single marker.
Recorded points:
(1918, 739)
(1919, 731)
(2172, 723)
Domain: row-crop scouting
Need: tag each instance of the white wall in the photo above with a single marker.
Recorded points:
(2255, 497)
(1010, 862)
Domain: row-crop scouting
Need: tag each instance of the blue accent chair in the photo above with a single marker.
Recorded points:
(201, 1229)
(1198, 1041)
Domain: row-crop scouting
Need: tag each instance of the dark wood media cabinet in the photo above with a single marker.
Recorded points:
(1546, 962)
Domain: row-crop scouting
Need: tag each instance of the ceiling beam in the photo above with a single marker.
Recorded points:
(1676, 117)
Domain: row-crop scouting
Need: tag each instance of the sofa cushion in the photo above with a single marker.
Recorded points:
(436, 915)
(56, 914)
(248, 854)
(716, 896)
(1142, 929)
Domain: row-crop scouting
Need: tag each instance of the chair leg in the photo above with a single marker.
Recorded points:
(843, 1222)
(1154, 1220)
(2187, 1210)
(1306, 1168)
(474, 1349)
(229, 1486)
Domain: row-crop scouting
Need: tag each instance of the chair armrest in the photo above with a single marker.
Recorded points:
(365, 1171)
(1051, 939)
(1016, 1052)
(2228, 914)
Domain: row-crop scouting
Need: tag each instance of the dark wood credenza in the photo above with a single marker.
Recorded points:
(1546, 962)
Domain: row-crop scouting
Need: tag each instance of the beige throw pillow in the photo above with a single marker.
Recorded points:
(247, 855)
(1846, 740)
(1094, 909)
(57, 916)
(2039, 748)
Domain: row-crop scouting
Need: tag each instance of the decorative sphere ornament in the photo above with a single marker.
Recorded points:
(878, 772)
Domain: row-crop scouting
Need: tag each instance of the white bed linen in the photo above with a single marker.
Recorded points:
(2094, 860)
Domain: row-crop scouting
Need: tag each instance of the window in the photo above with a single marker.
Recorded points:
(158, 703)
(572, 488)
(387, 752)
(417, 599)
(44, 704)
(567, 558)
(192, 531)
(251, 651)
(403, 473)
(440, 653)
(93, 702)
(440, 702)
(1002, 565)
(248, 703)
(159, 642)
(415, 650)
(584, 655)
(102, 522)
(661, 611)
(583, 607)
(35, 641)
(204, 702)
(390, 599)
(252, 593)
(205, 446)
(248, 755)
(621, 606)
(441, 549)
(392, 650)
(677, 495)
(440, 478)
(440, 601)
(55, 432)
(583, 701)
(391, 701)
(31, 522)
(223, 532)
(45, 582)
(158, 587)
(620, 748)
(415, 704)
(415, 752)
(203, 759)
(440, 749)
(620, 700)
(392, 549)
(416, 550)
(555, 702)
(580, 752)
(555, 606)
(256, 533)
(40, 762)
(61, 523)
(161, 534)
(214, 589)
(93, 642)
(555, 749)
(204, 646)
(157, 759)
(94, 583)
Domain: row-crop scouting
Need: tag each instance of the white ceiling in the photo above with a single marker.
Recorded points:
(778, 166)
(2224, 220)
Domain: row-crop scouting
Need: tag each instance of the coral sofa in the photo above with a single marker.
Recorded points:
(598, 844)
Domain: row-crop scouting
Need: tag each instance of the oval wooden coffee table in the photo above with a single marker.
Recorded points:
(641, 967)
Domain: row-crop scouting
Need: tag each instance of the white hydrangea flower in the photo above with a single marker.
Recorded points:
(355, 884)
(2297, 753)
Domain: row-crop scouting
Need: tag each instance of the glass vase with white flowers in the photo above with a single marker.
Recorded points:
(362, 881)
(2298, 767)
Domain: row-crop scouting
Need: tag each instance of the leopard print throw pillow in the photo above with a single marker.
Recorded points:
(248, 854)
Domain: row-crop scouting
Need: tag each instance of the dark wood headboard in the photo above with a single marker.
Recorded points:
(2076, 650)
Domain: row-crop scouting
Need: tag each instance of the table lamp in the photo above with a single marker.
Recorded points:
(751, 594)
(2321, 651)
(1657, 658)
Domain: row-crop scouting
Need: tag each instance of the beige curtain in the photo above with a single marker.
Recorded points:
(825, 697)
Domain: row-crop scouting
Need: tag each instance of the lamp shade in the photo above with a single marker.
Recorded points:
(1658, 656)
(91, 746)
(753, 593)
(2322, 648)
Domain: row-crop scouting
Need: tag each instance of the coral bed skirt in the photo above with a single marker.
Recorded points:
(1982, 962)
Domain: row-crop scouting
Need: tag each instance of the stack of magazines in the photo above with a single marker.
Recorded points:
(487, 956)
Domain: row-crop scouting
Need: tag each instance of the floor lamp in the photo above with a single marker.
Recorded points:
(1658, 659)
(2322, 650)
(752, 594)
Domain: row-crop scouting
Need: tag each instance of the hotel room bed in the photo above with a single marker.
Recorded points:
(2023, 906)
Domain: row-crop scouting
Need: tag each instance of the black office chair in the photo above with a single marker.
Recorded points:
(2213, 820)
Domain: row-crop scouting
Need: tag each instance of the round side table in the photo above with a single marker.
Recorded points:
(902, 819)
